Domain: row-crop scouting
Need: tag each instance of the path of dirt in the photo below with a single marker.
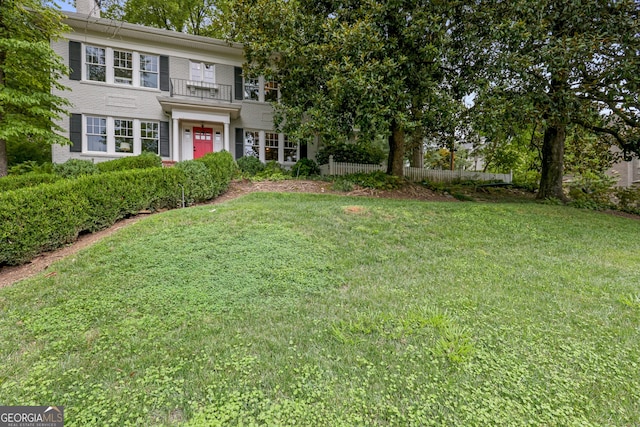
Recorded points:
(13, 274)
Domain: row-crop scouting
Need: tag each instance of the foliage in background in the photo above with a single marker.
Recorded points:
(19, 152)
(273, 171)
(141, 161)
(31, 166)
(376, 180)
(440, 158)
(30, 72)
(305, 168)
(74, 168)
(350, 153)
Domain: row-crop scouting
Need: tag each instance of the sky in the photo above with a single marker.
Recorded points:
(65, 5)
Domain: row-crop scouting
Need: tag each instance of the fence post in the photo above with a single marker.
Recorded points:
(331, 171)
(511, 176)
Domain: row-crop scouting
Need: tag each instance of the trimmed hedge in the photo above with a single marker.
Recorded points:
(75, 168)
(142, 161)
(15, 182)
(222, 167)
(42, 218)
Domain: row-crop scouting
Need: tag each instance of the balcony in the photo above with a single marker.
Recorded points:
(201, 90)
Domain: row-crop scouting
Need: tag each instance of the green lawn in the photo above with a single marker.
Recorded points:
(284, 309)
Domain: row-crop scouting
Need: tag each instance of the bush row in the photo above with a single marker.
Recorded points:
(14, 182)
(37, 219)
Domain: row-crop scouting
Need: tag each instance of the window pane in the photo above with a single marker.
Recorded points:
(271, 146)
(123, 131)
(149, 136)
(271, 91)
(96, 134)
(252, 143)
(122, 67)
(95, 60)
(290, 150)
(149, 71)
(251, 89)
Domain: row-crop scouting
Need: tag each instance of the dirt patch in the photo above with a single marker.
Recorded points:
(354, 209)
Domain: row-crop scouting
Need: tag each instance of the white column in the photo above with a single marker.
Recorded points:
(226, 137)
(176, 141)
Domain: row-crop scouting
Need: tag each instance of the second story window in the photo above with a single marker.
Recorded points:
(122, 67)
(271, 91)
(96, 60)
(113, 66)
(148, 71)
(252, 88)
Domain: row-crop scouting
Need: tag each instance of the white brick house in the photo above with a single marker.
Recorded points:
(135, 89)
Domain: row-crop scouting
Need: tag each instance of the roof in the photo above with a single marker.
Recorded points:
(112, 28)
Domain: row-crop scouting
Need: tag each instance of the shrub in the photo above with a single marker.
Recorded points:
(222, 168)
(15, 182)
(350, 153)
(31, 166)
(37, 219)
(142, 161)
(591, 191)
(273, 171)
(250, 165)
(74, 168)
(378, 180)
(198, 182)
(305, 167)
(628, 199)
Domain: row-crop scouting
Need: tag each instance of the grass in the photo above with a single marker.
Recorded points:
(282, 309)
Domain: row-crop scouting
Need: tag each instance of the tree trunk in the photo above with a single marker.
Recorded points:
(3, 158)
(553, 163)
(395, 163)
(417, 156)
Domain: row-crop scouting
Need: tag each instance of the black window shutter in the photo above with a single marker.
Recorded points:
(238, 86)
(303, 151)
(164, 139)
(75, 60)
(239, 143)
(164, 73)
(75, 133)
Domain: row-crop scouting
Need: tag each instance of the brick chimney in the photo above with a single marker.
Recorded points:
(88, 7)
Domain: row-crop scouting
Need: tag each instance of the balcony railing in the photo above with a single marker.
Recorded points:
(201, 90)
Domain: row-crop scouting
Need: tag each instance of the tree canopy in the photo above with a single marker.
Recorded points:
(557, 64)
(29, 70)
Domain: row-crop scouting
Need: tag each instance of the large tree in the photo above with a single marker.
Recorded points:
(366, 67)
(29, 70)
(199, 17)
(559, 64)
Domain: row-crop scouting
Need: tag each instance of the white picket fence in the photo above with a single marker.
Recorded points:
(415, 174)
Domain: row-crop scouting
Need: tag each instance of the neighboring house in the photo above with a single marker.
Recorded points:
(627, 173)
(135, 89)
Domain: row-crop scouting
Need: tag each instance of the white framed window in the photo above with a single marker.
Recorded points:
(149, 70)
(95, 60)
(271, 91)
(271, 144)
(149, 137)
(290, 150)
(122, 67)
(252, 88)
(96, 128)
(115, 66)
(122, 136)
(252, 143)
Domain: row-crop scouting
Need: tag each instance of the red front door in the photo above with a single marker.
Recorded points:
(202, 141)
